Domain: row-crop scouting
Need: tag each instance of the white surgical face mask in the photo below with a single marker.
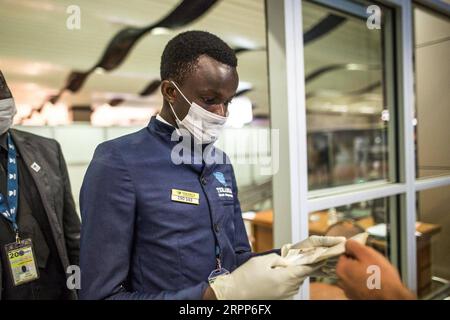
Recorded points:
(7, 113)
(203, 125)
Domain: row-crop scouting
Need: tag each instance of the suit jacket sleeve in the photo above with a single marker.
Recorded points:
(71, 220)
(108, 209)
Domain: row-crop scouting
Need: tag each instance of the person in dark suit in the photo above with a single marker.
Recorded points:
(37, 207)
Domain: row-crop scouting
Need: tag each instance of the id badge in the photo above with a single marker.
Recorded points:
(185, 196)
(216, 273)
(21, 260)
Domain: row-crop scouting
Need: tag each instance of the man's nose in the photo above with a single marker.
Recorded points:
(219, 109)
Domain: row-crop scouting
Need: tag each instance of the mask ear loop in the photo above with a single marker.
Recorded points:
(173, 111)
(179, 121)
(176, 117)
(180, 92)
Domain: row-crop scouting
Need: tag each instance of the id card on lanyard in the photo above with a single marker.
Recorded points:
(20, 255)
(219, 270)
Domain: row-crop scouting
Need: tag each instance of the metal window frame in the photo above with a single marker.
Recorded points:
(338, 200)
(407, 163)
(287, 95)
(291, 199)
(430, 183)
(405, 95)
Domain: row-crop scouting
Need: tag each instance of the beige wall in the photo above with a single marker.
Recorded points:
(432, 54)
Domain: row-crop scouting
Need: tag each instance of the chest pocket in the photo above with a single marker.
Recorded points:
(223, 187)
(224, 207)
(223, 200)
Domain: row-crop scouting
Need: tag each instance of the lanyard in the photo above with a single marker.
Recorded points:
(8, 206)
(218, 257)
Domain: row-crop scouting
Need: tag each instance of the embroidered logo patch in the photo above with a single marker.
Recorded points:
(220, 177)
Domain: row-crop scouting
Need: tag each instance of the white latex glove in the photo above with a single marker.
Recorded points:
(312, 242)
(326, 253)
(266, 277)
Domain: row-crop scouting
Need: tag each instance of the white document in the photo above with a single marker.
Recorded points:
(314, 255)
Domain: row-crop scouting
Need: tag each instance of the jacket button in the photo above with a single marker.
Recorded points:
(216, 228)
(203, 181)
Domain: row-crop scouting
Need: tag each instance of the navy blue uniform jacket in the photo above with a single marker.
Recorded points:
(136, 243)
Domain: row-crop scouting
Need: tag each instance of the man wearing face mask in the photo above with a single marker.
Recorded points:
(157, 229)
(39, 227)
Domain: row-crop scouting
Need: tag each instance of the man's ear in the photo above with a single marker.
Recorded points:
(168, 91)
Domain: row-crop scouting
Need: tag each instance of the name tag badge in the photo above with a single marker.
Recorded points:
(185, 196)
(22, 261)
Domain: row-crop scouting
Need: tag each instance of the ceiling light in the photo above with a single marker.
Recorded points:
(160, 31)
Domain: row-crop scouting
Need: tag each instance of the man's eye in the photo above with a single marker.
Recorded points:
(208, 101)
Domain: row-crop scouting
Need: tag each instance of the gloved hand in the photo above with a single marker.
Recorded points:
(323, 251)
(312, 242)
(264, 277)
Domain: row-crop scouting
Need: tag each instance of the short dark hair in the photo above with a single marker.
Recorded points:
(181, 53)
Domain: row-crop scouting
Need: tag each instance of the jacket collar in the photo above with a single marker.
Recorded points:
(160, 127)
(4, 143)
(32, 158)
